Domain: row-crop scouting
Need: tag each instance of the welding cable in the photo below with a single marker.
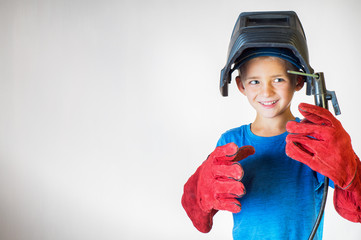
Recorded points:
(322, 209)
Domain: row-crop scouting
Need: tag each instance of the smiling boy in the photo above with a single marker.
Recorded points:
(273, 182)
(269, 179)
(269, 89)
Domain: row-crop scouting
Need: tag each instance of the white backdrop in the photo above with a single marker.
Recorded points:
(107, 107)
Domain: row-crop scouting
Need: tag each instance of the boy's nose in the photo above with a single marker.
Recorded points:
(267, 90)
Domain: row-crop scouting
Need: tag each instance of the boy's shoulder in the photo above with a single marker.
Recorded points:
(233, 135)
(236, 130)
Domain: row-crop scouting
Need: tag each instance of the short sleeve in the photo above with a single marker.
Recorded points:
(321, 180)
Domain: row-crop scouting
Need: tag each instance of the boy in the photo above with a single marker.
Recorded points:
(283, 195)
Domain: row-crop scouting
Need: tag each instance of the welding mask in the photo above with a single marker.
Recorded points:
(256, 34)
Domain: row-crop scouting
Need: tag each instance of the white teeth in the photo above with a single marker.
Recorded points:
(268, 103)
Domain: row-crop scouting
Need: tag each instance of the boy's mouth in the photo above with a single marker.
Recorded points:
(268, 103)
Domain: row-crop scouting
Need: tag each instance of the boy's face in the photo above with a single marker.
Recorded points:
(268, 86)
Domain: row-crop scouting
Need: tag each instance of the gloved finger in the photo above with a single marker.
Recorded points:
(296, 151)
(242, 153)
(303, 152)
(313, 132)
(307, 151)
(226, 150)
(298, 148)
(231, 205)
(234, 171)
(305, 128)
(316, 114)
(229, 188)
(314, 144)
(310, 147)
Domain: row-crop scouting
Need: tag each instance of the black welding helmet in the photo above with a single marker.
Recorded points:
(257, 34)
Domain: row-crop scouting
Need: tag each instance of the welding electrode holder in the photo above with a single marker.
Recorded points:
(322, 95)
(317, 87)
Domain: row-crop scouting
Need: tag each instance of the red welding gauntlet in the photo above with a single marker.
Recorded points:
(347, 201)
(320, 142)
(215, 185)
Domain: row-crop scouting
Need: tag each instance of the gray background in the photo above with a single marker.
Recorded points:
(107, 107)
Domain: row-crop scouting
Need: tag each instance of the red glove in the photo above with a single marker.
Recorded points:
(320, 142)
(215, 185)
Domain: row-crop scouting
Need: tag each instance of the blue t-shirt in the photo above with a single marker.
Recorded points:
(283, 196)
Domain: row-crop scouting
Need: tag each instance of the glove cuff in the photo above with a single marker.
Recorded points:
(345, 177)
(347, 202)
(203, 221)
(353, 178)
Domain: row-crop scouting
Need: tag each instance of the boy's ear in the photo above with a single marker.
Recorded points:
(300, 81)
(240, 85)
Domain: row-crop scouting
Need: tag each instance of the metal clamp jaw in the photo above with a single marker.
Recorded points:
(318, 88)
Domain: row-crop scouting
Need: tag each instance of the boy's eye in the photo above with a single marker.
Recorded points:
(253, 82)
(277, 80)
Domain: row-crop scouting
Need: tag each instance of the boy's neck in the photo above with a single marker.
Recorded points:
(268, 127)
